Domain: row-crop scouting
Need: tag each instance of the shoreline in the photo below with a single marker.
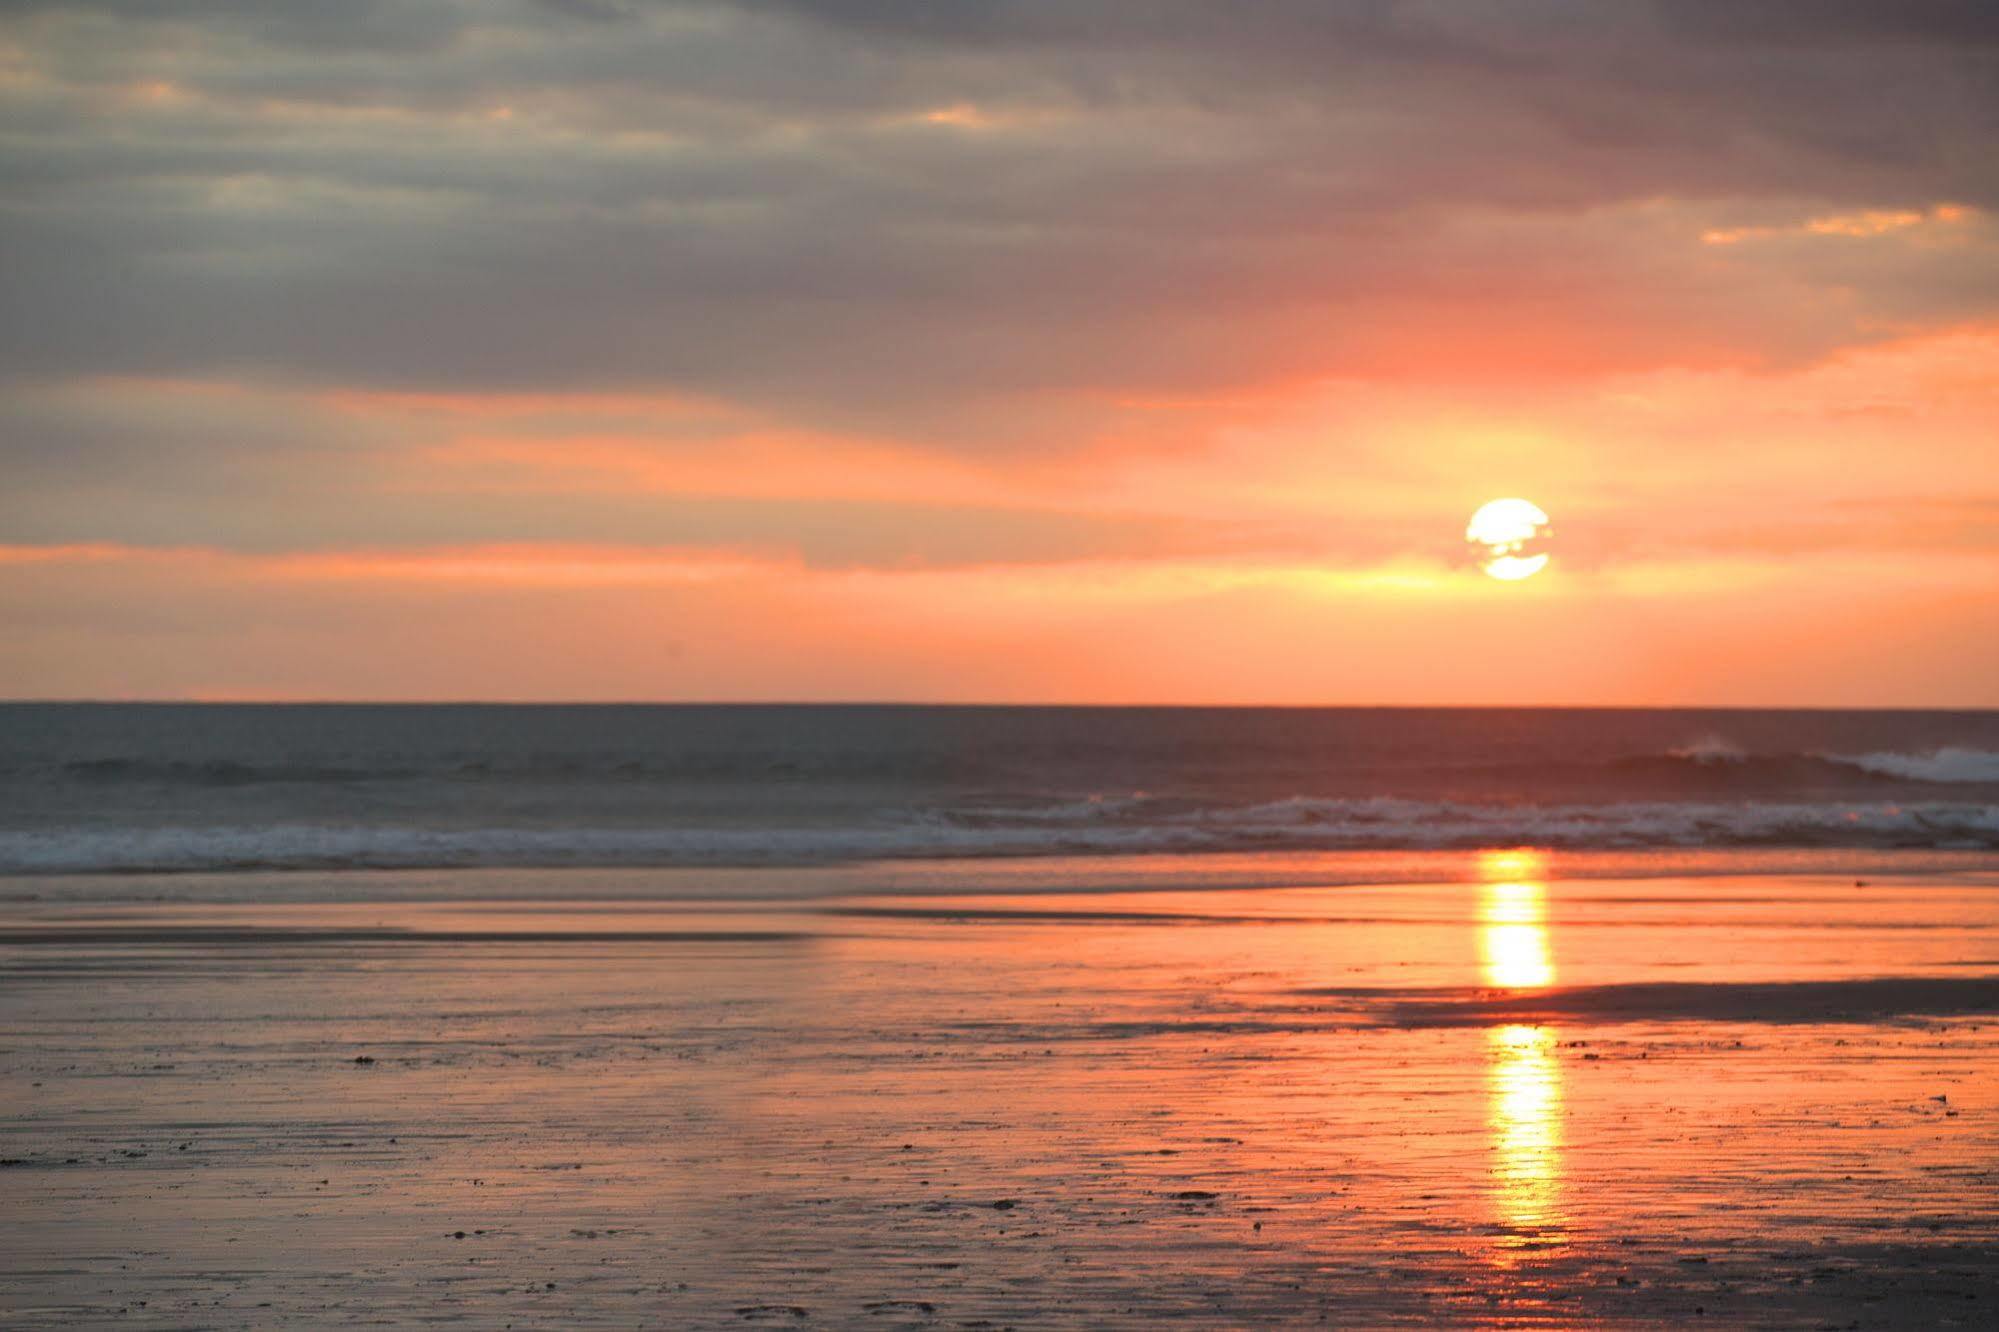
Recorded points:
(918, 876)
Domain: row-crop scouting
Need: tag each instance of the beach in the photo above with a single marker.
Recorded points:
(1507, 1096)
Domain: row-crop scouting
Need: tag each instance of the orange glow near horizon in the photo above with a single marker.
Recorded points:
(581, 566)
(1212, 555)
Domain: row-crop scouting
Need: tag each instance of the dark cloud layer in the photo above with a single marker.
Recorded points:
(924, 218)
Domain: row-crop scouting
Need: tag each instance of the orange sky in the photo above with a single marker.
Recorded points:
(815, 352)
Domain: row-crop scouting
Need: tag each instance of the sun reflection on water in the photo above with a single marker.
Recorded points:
(1524, 1080)
(1524, 1119)
(1514, 940)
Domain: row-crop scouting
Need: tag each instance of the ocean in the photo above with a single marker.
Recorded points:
(138, 789)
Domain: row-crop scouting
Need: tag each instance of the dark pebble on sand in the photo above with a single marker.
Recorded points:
(1195, 1195)
(364, 1059)
(1006, 1205)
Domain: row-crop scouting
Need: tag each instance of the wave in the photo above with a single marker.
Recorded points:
(1127, 826)
(1709, 749)
(1388, 823)
(1718, 766)
(1710, 765)
(1939, 765)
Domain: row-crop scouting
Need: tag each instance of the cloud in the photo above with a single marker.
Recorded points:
(936, 220)
(201, 464)
(1855, 454)
(353, 25)
(1815, 23)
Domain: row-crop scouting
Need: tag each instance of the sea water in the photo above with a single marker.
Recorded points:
(146, 788)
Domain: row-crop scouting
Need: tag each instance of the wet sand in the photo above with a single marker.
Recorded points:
(1756, 1101)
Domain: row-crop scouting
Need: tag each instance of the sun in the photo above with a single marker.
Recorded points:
(1502, 535)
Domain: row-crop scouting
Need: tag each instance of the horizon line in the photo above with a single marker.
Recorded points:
(984, 705)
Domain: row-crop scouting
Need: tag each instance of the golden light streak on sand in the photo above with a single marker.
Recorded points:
(1513, 940)
(1524, 1122)
(1524, 1088)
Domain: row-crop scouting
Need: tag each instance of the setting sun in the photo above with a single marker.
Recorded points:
(1505, 535)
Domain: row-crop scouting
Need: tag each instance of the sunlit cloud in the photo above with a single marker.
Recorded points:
(75, 554)
(1861, 225)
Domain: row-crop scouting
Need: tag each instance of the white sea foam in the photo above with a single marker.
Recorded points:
(1299, 823)
(1710, 749)
(1941, 765)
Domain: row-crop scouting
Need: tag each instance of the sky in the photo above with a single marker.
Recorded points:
(1108, 351)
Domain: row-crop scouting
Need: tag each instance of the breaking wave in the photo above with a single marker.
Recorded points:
(1710, 763)
(1941, 765)
(1124, 826)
